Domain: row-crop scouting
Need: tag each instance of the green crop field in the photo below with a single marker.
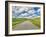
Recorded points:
(35, 21)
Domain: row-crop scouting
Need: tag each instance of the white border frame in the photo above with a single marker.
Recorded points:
(24, 31)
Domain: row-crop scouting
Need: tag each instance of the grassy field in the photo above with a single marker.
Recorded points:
(16, 21)
(35, 21)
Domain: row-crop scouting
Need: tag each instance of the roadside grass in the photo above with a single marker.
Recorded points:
(35, 21)
(16, 21)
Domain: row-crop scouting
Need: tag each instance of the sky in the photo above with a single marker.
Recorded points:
(26, 12)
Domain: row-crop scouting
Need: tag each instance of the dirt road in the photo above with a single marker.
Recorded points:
(26, 25)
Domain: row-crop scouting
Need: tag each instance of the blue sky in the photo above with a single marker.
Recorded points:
(20, 12)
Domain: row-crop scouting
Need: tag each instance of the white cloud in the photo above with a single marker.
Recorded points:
(30, 16)
(34, 15)
(18, 11)
(26, 9)
(31, 11)
(21, 9)
(23, 15)
(38, 10)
